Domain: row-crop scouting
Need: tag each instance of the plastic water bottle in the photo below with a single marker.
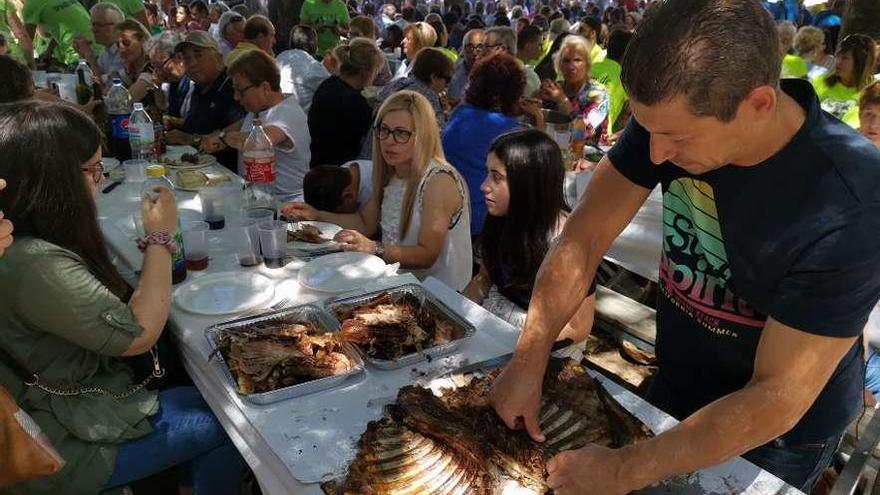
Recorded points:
(141, 134)
(258, 156)
(118, 104)
(155, 180)
(83, 67)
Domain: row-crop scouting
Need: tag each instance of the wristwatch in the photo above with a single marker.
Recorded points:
(196, 140)
(379, 250)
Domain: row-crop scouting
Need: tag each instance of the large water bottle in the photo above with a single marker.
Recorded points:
(156, 180)
(141, 134)
(118, 104)
(258, 156)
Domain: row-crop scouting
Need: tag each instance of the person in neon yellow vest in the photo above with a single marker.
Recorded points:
(853, 66)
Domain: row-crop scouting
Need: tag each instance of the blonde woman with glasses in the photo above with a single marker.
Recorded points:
(419, 205)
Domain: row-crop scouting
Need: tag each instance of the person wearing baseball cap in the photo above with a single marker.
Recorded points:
(213, 105)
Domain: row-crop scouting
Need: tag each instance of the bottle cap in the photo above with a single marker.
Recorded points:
(155, 171)
(138, 106)
(116, 80)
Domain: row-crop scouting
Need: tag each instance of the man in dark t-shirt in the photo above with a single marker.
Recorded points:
(770, 262)
(339, 119)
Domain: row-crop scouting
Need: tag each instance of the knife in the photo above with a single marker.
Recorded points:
(113, 185)
(498, 361)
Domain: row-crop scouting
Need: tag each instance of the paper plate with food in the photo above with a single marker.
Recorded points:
(193, 180)
(312, 236)
(187, 160)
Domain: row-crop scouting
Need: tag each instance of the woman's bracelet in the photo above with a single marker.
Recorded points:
(159, 238)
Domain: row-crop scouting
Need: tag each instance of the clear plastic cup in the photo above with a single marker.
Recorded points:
(245, 241)
(195, 244)
(273, 242)
(67, 87)
(135, 170)
(139, 231)
(260, 215)
(40, 77)
(212, 206)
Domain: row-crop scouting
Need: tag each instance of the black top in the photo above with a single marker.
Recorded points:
(339, 118)
(213, 110)
(794, 237)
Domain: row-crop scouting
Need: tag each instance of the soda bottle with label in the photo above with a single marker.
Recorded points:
(83, 89)
(578, 138)
(155, 113)
(141, 134)
(258, 156)
(156, 179)
(118, 104)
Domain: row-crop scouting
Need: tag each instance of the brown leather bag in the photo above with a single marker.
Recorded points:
(25, 451)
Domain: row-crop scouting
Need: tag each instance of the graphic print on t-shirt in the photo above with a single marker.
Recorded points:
(694, 269)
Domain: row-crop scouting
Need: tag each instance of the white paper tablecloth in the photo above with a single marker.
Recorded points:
(637, 248)
(293, 444)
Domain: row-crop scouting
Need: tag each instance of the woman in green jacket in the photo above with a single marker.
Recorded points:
(68, 316)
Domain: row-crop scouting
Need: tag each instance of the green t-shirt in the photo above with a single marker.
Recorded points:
(598, 54)
(794, 67)
(316, 13)
(607, 72)
(64, 20)
(851, 117)
(60, 321)
(128, 7)
(836, 100)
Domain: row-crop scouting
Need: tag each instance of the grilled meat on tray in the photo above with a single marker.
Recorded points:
(456, 444)
(389, 330)
(266, 358)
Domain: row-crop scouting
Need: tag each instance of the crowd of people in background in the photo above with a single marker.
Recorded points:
(412, 124)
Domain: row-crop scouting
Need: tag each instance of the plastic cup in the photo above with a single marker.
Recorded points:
(135, 170)
(195, 244)
(212, 206)
(260, 215)
(273, 242)
(139, 230)
(67, 87)
(39, 79)
(245, 241)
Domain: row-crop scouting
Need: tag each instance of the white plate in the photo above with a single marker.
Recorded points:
(224, 292)
(328, 230)
(204, 161)
(341, 272)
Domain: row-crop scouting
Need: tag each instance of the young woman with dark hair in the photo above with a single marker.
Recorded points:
(68, 316)
(839, 90)
(493, 104)
(523, 195)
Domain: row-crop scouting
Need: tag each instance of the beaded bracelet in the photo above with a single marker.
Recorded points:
(160, 238)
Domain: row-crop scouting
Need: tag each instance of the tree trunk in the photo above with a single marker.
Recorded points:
(862, 17)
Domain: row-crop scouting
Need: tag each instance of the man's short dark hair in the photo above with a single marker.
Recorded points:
(617, 43)
(714, 52)
(16, 79)
(323, 186)
(528, 34)
(304, 38)
(256, 26)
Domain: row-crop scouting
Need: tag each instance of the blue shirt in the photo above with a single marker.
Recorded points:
(466, 141)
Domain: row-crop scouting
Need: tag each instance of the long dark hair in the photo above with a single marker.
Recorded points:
(546, 69)
(44, 147)
(517, 243)
(861, 48)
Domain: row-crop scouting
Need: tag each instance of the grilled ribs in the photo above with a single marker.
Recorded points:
(455, 443)
(266, 358)
(387, 330)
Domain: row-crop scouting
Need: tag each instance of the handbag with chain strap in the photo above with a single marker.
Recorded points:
(25, 451)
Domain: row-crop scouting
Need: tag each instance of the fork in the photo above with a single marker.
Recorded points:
(280, 304)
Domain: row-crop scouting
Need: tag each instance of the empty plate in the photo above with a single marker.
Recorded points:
(224, 292)
(341, 272)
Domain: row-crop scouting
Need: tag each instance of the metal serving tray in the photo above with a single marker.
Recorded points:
(305, 313)
(342, 304)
